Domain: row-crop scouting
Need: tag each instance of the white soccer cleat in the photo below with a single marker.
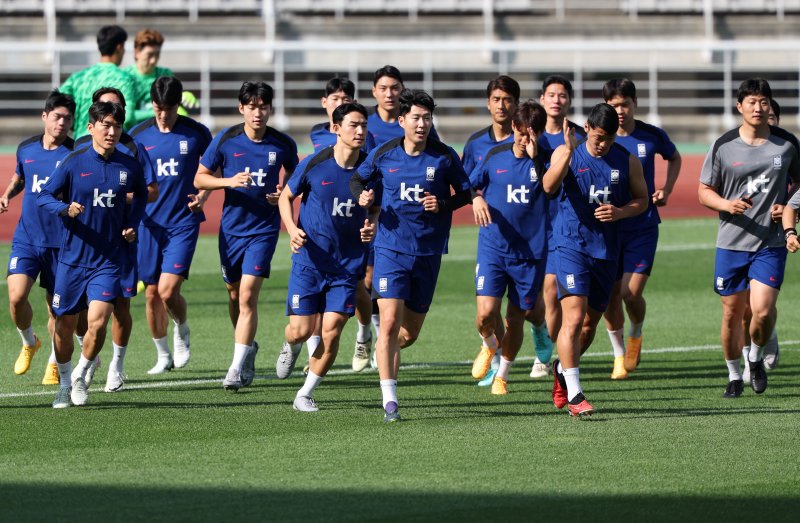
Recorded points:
(772, 352)
(90, 370)
(114, 381)
(182, 348)
(361, 356)
(62, 400)
(540, 370)
(80, 392)
(286, 361)
(233, 380)
(162, 365)
(305, 404)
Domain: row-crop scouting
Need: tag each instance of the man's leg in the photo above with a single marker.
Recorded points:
(121, 327)
(249, 288)
(487, 319)
(512, 341)
(732, 337)
(321, 361)
(169, 290)
(633, 285)
(156, 313)
(19, 288)
(63, 348)
(97, 321)
(552, 306)
(363, 346)
(542, 344)
(615, 325)
(762, 325)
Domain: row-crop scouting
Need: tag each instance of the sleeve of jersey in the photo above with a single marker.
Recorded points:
(147, 165)
(467, 160)
(709, 174)
(478, 177)
(136, 208)
(369, 144)
(19, 170)
(456, 175)
(291, 158)
(57, 184)
(298, 181)
(365, 172)
(665, 146)
(211, 159)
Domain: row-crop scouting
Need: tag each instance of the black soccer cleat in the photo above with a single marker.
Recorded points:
(734, 389)
(758, 376)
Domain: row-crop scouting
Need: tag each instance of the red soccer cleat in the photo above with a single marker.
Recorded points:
(559, 388)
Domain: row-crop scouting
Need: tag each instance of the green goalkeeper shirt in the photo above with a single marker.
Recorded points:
(141, 109)
(82, 84)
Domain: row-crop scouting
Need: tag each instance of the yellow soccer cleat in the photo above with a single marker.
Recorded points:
(50, 374)
(619, 372)
(499, 386)
(633, 352)
(25, 356)
(482, 363)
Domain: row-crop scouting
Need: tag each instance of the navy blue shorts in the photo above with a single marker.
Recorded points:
(733, 270)
(166, 251)
(550, 264)
(637, 251)
(406, 277)
(312, 291)
(250, 255)
(129, 269)
(34, 262)
(523, 278)
(76, 287)
(580, 275)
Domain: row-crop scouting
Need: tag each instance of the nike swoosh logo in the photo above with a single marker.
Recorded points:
(737, 164)
(326, 183)
(29, 161)
(177, 266)
(641, 265)
(236, 155)
(258, 268)
(394, 170)
(773, 278)
(128, 289)
(149, 147)
(85, 174)
(501, 171)
(106, 293)
(583, 170)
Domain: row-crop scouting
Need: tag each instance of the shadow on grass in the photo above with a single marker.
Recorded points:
(49, 502)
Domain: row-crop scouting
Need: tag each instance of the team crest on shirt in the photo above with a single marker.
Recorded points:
(570, 281)
(123, 177)
(614, 176)
(777, 162)
(273, 157)
(641, 149)
(534, 175)
(430, 172)
(56, 301)
(184, 145)
(295, 301)
(720, 283)
(13, 264)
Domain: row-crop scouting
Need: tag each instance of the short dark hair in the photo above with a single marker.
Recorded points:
(340, 83)
(776, 108)
(166, 91)
(753, 86)
(560, 80)
(343, 110)
(505, 84)
(623, 87)
(530, 114)
(58, 99)
(256, 90)
(387, 70)
(105, 90)
(100, 110)
(109, 37)
(604, 117)
(412, 97)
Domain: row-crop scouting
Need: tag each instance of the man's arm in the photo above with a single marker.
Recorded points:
(639, 197)
(15, 186)
(661, 196)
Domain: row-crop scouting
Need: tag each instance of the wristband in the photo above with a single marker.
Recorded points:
(791, 231)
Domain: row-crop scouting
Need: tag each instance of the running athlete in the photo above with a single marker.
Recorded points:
(512, 243)
(384, 122)
(329, 242)
(245, 160)
(34, 249)
(106, 73)
(597, 184)
(414, 175)
(745, 177)
(96, 180)
(171, 225)
(639, 235)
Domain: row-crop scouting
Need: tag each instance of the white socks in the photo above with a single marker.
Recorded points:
(27, 336)
(755, 353)
(573, 379)
(312, 382)
(617, 343)
(65, 374)
(240, 350)
(505, 366)
(389, 391)
(118, 359)
(489, 342)
(83, 365)
(364, 332)
(162, 348)
(733, 370)
(311, 345)
(52, 359)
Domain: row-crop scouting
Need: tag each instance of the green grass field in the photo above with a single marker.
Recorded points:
(663, 446)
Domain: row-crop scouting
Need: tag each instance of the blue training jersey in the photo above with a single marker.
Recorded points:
(517, 203)
(478, 145)
(321, 136)
(35, 165)
(94, 237)
(127, 146)
(382, 131)
(174, 158)
(402, 181)
(592, 182)
(644, 143)
(329, 215)
(246, 211)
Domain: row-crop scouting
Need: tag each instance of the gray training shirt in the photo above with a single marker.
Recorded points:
(761, 172)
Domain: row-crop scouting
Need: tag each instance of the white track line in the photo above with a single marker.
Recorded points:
(345, 372)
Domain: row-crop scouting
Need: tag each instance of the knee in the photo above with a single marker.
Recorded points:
(167, 293)
(297, 333)
(485, 321)
(407, 338)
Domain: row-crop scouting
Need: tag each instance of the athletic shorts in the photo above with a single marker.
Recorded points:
(166, 251)
(34, 262)
(550, 264)
(523, 278)
(733, 270)
(129, 269)
(637, 251)
(580, 275)
(76, 287)
(250, 255)
(406, 277)
(371, 254)
(312, 291)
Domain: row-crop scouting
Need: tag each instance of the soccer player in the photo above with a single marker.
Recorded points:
(639, 235)
(745, 177)
(106, 73)
(384, 122)
(329, 242)
(512, 243)
(245, 160)
(597, 184)
(34, 249)
(339, 91)
(96, 180)
(556, 98)
(414, 175)
(171, 225)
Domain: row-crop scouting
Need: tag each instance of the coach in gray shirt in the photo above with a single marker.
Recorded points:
(745, 178)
